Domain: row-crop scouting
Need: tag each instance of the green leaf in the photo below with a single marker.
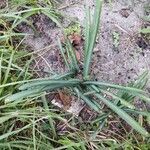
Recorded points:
(143, 113)
(14, 132)
(39, 79)
(122, 101)
(143, 97)
(87, 29)
(49, 82)
(110, 85)
(135, 125)
(24, 19)
(139, 83)
(63, 55)
(5, 118)
(89, 102)
(145, 30)
(72, 55)
(51, 121)
(92, 31)
(21, 95)
(52, 15)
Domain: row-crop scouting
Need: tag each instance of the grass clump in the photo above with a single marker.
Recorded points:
(27, 112)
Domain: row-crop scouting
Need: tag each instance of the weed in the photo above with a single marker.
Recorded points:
(27, 121)
(145, 30)
(74, 28)
(116, 39)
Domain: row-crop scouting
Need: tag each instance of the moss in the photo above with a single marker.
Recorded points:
(73, 28)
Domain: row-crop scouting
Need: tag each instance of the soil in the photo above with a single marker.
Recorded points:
(44, 44)
(126, 62)
(121, 63)
(2, 4)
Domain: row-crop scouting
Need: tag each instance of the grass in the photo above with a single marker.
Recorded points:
(29, 121)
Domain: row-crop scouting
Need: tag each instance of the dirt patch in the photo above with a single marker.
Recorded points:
(126, 62)
(130, 58)
(3, 4)
(43, 42)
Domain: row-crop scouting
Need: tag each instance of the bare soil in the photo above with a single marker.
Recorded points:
(130, 58)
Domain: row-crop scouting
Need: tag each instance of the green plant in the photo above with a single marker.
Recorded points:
(13, 57)
(73, 28)
(119, 103)
(19, 12)
(145, 30)
(116, 39)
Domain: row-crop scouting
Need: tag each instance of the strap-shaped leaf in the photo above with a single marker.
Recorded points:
(135, 125)
(122, 101)
(50, 83)
(111, 85)
(21, 95)
(92, 31)
(89, 102)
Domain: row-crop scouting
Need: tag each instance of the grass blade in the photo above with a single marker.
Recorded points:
(37, 87)
(143, 97)
(51, 122)
(21, 95)
(39, 79)
(139, 83)
(14, 132)
(63, 55)
(52, 15)
(7, 71)
(87, 29)
(135, 125)
(24, 19)
(89, 102)
(50, 82)
(92, 38)
(143, 113)
(73, 58)
(110, 85)
(122, 101)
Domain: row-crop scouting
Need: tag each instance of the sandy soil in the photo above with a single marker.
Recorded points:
(127, 60)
